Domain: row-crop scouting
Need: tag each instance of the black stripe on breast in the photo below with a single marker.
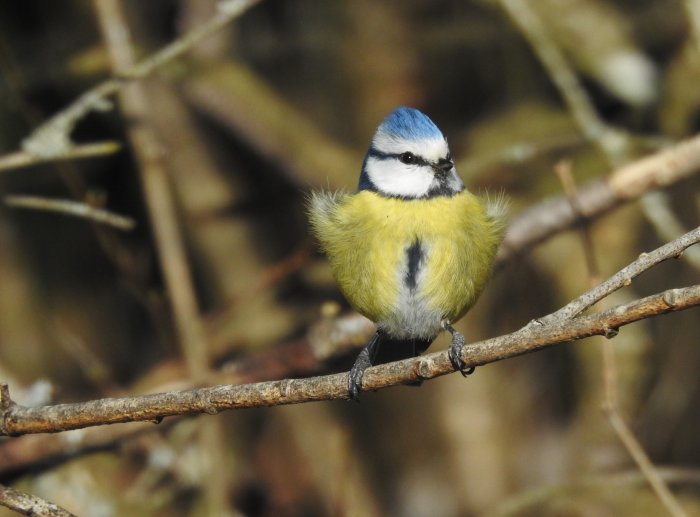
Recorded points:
(414, 255)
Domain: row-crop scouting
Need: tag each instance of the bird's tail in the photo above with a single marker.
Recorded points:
(388, 349)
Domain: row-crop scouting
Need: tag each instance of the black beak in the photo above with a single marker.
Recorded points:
(444, 165)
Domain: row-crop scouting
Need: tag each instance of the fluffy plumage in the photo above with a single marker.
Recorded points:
(367, 238)
(412, 249)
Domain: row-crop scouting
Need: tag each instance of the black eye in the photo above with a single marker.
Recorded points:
(407, 158)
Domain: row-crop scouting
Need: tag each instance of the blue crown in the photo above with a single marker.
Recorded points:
(409, 124)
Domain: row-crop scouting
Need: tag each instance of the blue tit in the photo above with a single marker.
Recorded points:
(412, 249)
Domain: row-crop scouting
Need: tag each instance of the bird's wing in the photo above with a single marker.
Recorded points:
(322, 203)
(322, 206)
(497, 208)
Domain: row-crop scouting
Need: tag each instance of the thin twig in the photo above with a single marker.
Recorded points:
(17, 420)
(524, 502)
(20, 159)
(624, 277)
(629, 441)
(52, 139)
(168, 235)
(28, 504)
(594, 128)
(658, 170)
(555, 328)
(156, 187)
(610, 378)
(611, 404)
(69, 207)
(563, 171)
(613, 144)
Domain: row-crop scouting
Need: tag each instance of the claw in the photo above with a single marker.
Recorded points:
(355, 380)
(455, 351)
(363, 361)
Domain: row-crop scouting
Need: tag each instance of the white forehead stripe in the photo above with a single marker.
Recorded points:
(432, 149)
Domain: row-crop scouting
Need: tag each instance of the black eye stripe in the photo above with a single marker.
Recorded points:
(380, 155)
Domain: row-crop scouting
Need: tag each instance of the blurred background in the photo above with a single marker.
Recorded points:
(283, 100)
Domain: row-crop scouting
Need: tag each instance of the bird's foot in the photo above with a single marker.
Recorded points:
(455, 350)
(356, 373)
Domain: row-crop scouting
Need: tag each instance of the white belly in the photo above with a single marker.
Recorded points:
(412, 316)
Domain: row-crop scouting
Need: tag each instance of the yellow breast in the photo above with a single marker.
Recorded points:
(367, 238)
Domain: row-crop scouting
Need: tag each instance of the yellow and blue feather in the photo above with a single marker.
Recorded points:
(412, 249)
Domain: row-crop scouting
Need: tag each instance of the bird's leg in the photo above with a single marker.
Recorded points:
(455, 350)
(363, 361)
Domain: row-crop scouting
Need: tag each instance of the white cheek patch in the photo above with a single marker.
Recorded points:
(392, 177)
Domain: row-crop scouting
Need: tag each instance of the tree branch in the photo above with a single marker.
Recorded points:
(52, 139)
(624, 277)
(18, 420)
(20, 159)
(625, 184)
(28, 504)
(563, 325)
(73, 208)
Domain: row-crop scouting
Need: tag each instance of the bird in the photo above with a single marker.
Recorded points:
(412, 249)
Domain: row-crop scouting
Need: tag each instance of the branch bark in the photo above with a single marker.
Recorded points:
(18, 420)
(558, 327)
(28, 504)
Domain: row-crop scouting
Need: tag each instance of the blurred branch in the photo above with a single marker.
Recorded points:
(630, 181)
(566, 178)
(28, 504)
(625, 184)
(692, 9)
(20, 159)
(629, 440)
(584, 113)
(611, 404)
(524, 502)
(327, 338)
(517, 153)
(35, 453)
(74, 208)
(544, 332)
(156, 185)
(614, 145)
(237, 98)
(52, 139)
(330, 337)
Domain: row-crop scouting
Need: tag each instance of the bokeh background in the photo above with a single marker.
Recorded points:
(284, 100)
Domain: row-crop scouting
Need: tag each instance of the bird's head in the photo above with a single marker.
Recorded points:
(409, 158)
